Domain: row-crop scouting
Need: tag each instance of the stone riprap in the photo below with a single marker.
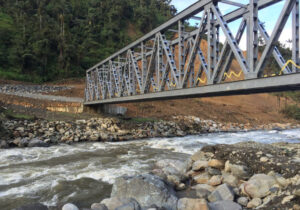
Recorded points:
(24, 133)
(253, 189)
(11, 89)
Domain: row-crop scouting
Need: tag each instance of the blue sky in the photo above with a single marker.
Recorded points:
(268, 15)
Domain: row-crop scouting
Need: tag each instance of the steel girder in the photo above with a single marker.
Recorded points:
(169, 59)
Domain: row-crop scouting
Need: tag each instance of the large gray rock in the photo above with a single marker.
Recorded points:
(230, 179)
(37, 143)
(224, 205)
(115, 202)
(203, 190)
(223, 192)
(3, 145)
(258, 186)
(192, 204)
(243, 201)
(132, 205)
(239, 171)
(200, 165)
(176, 167)
(69, 206)
(255, 202)
(202, 178)
(98, 206)
(147, 189)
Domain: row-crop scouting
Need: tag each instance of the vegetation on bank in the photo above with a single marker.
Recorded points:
(292, 111)
(42, 40)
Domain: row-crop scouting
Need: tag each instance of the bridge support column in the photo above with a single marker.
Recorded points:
(106, 109)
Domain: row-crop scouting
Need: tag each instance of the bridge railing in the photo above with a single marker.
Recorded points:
(174, 57)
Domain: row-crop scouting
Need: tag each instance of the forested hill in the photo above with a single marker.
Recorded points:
(42, 40)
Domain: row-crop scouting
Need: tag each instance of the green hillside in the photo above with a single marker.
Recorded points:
(43, 40)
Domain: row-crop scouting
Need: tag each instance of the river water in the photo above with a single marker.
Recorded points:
(84, 173)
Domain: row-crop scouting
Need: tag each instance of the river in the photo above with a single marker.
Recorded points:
(84, 173)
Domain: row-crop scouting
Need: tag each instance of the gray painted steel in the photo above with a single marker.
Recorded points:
(263, 85)
(162, 64)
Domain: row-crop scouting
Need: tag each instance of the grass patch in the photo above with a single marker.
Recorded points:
(142, 120)
(292, 111)
(294, 95)
(13, 75)
(17, 116)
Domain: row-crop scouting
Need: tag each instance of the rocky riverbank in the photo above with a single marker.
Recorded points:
(43, 133)
(24, 89)
(222, 177)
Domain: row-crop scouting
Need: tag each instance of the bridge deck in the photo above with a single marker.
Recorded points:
(262, 85)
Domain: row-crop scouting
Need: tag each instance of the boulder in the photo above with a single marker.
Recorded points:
(37, 143)
(213, 171)
(200, 165)
(296, 192)
(258, 186)
(202, 178)
(243, 201)
(200, 155)
(230, 179)
(264, 159)
(255, 202)
(192, 204)
(239, 171)
(132, 205)
(224, 205)
(69, 206)
(146, 189)
(216, 163)
(281, 181)
(287, 199)
(115, 202)
(215, 180)
(175, 167)
(3, 144)
(23, 142)
(222, 192)
(174, 180)
(98, 206)
(203, 190)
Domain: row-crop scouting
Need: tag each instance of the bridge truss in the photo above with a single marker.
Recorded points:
(176, 60)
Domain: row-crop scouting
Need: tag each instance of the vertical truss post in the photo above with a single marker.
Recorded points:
(158, 64)
(217, 43)
(144, 65)
(181, 49)
(119, 76)
(96, 87)
(252, 37)
(211, 51)
(295, 26)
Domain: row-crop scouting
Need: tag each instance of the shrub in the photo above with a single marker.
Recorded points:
(292, 111)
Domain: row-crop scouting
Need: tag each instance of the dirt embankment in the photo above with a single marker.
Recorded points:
(255, 109)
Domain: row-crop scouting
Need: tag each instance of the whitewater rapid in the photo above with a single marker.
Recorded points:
(83, 173)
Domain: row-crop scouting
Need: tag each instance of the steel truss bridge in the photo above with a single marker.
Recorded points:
(178, 61)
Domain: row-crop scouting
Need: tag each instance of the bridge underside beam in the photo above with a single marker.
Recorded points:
(288, 82)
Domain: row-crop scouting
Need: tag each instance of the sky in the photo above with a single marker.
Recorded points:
(268, 15)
